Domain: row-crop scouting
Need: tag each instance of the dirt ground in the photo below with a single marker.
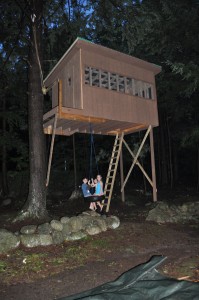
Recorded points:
(104, 257)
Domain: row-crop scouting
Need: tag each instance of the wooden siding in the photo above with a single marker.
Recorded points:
(71, 77)
(55, 94)
(114, 66)
(117, 106)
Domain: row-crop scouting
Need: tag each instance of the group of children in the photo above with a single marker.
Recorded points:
(98, 185)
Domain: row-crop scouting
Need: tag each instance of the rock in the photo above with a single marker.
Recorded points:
(75, 236)
(130, 203)
(64, 220)
(66, 229)
(29, 229)
(57, 237)
(86, 220)
(75, 223)
(56, 225)
(163, 213)
(112, 222)
(91, 213)
(6, 202)
(34, 240)
(44, 228)
(94, 229)
(101, 223)
(160, 214)
(8, 241)
(76, 194)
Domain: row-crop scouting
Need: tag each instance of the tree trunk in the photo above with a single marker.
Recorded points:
(164, 173)
(35, 206)
(175, 163)
(198, 169)
(5, 189)
(170, 154)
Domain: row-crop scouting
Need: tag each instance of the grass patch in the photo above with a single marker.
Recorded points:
(3, 266)
(27, 265)
(100, 244)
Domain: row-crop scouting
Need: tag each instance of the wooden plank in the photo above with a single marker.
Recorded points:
(60, 99)
(122, 174)
(51, 150)
(81, 118)
(50, 113)
(153, 166)
(61, 131)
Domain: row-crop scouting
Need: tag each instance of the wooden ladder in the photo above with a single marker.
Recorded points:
(110, 178)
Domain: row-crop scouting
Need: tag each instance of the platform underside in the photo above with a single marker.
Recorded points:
(68, 124)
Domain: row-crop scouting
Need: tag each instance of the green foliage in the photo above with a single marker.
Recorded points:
(3, 266)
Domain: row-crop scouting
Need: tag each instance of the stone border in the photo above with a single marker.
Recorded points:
(57, 231)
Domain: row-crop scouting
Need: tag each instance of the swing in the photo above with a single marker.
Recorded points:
(93, 198)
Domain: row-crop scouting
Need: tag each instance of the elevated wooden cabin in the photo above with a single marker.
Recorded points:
(114, 92)
(94, 84)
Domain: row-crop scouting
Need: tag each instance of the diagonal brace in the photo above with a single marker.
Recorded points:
(51, 149)
(138, 164)
(136, 157)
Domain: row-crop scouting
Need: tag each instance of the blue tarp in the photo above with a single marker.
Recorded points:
(143, 282)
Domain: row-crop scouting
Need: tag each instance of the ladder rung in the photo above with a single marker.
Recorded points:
(115, 151)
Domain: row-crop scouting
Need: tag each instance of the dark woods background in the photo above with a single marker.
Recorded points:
(162, 32)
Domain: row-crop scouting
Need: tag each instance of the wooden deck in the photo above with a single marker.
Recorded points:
(70, 123)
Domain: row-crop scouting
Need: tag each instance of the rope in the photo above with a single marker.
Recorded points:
(33, 17)
(92, 151)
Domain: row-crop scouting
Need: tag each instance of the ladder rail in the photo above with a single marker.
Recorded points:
(112, 170)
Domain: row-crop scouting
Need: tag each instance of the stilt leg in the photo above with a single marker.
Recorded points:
(153, 166)
(51, 150)
(122, 175)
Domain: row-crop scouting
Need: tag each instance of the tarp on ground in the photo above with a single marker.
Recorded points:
(143, 282)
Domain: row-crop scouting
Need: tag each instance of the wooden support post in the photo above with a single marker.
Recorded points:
(122, 175)
(153, 166)
(51, 150)
(74, 162)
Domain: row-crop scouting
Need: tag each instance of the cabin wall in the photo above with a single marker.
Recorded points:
(111, 105)
(55, 94)
(69, 73)
(115, 105)
(71, 81)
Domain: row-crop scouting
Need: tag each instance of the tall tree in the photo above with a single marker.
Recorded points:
(13, 93)
(35, 206)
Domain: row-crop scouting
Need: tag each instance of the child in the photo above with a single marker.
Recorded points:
(98, 184)
(86, 193)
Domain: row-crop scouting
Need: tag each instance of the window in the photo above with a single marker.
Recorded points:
(117, 82)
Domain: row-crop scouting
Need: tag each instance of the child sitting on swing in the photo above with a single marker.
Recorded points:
(87, 193)
(98, 184)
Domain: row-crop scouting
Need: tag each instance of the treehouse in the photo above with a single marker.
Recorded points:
(114, 92)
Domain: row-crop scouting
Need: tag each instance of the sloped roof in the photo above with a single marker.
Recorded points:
(81, 43)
